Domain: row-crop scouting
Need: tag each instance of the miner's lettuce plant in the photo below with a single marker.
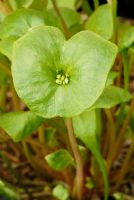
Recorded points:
(62, 71)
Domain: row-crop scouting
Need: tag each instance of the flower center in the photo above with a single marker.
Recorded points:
(62, 79)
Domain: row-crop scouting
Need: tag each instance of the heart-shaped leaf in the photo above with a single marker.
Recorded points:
(58, 77)
(28, 123)
(100, 19)
(60, 159)
(85, 127)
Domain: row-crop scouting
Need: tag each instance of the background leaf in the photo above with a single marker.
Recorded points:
(39, 4)
(61, 3)
(15, 4)
(85, 127)
(28, 123)
(70, 16)
(112, 96)
(8, 192)
(60, 159)
(100, 19)
(125, 36)
(60, 192)
(20, 22)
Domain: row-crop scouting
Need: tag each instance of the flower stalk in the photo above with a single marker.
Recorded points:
(77, 156)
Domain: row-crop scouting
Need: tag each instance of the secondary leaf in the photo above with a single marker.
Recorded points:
(46, 56)
(85, 127)
(17, 24)
(112, 96)
(27, 124)
(100, 19)
(60, 159)
(21, 21)
(60, 192)
(111, 77)
(125, 36)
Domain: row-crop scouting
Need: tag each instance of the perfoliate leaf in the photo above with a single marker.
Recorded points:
(19, 125)
(60, 159)
(15, 4)
(60, 192)
(85, 127)
(125, 36)
(61, 3)
(101, 21)
(58, 77)
(21, 21)
(112, 96)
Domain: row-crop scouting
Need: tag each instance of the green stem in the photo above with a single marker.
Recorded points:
(77, 156)
(96, 4)
(41, 134)
(28, 155)
(113, 3)
(2, 8)
(3, 92)
(6, 70)
(111, 130)
(15, 98)
(126, 69)
(67, 32)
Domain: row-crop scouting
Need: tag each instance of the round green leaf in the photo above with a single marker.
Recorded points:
(101, 21)
(20, 21)
(79, 62)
